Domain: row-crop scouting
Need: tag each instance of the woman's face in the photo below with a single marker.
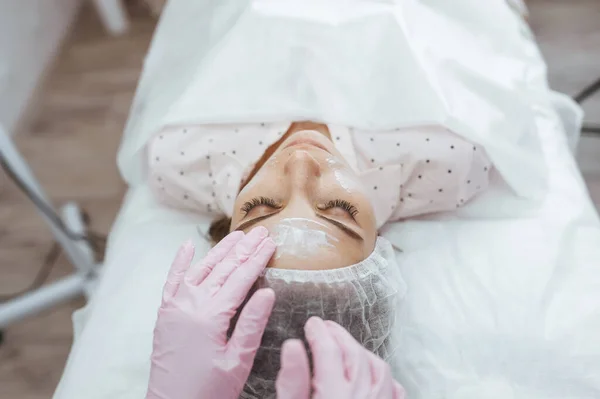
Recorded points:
(311, 201)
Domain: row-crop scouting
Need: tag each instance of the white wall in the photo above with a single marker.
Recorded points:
(31, 32)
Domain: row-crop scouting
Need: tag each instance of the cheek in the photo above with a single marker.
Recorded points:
(300, 242)
(267, 175)
(349, 182)
(343, 177)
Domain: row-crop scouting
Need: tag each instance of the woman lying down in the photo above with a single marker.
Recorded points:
(322, 192)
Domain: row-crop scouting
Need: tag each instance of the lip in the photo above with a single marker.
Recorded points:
(308, 142)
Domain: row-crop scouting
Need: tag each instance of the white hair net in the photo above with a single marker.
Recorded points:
(363, 298)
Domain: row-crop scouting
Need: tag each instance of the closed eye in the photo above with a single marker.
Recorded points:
(259, 201)
(342, 204)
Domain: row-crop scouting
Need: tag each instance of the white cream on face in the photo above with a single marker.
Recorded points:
(343, 180)
(343, 177)
(300, 237)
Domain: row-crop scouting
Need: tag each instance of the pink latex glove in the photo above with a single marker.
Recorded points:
(343, 369)
(191, 357)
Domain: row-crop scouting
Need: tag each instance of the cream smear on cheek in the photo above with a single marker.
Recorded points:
(344, 177)
(301, 237)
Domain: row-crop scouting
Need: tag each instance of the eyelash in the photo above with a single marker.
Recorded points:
(271, 203)
(343, 204)
(258, 201)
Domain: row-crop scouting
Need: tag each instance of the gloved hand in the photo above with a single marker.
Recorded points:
(191, 356)
(343, 369)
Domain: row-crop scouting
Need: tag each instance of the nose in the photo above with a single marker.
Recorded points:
(301, 166)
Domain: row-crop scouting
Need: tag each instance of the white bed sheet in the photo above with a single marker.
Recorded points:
(503, 296)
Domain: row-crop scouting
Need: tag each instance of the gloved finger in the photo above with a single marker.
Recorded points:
(328, 362)
(238, 284)
(399, 391)
(382, 382)
(356, 363)
(293, 379)
(234, 258)
(197, 273)
(250, 326)
(247, 247)
(180, 264)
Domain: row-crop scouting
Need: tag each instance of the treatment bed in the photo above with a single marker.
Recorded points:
(503, 295)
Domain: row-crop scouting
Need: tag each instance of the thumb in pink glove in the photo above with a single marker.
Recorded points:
(192, 357)
(343, 369)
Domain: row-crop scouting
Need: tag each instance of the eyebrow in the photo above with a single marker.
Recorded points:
(341, 226)
(337, 224)
(252, 222)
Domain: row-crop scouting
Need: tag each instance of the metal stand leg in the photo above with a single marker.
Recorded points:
(113, 15)
(72, 216)
(584, 95)
(41, 299)
(79, 252)
(80, 283)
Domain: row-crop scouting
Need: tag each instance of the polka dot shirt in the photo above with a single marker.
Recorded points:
(407, 172)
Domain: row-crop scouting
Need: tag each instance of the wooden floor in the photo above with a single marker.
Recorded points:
(568, 32)
(71, 146)
(72, 142)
